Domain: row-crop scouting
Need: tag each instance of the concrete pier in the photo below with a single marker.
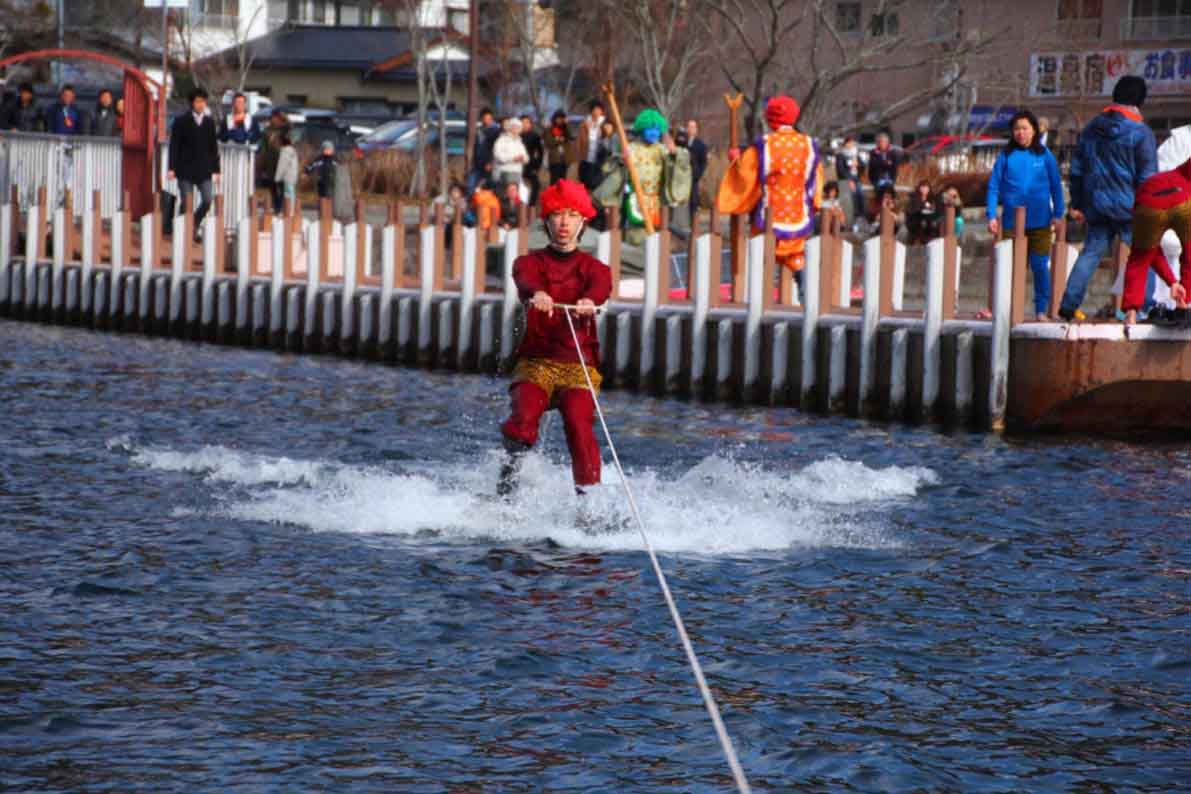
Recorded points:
(399, 294)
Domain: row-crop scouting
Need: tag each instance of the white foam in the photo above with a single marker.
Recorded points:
(719, 507)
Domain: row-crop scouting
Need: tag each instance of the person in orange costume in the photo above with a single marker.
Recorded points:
(781, 171)
(548, 373)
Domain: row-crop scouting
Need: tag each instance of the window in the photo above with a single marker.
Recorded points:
(295, 99)
(945, 20)
(1157, 19)
(886, 24)
(847, 17)
(1161, 8)
(347, 14)
(1080, 19)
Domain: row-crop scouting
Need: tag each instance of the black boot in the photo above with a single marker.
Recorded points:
(511, 470)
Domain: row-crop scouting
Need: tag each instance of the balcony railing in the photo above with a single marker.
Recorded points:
(215, 21)
(1156, 28)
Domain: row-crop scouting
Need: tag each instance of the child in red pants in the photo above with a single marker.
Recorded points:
(548, 373)
(1162, 202)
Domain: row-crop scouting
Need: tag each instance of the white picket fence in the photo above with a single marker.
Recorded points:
(83, 165)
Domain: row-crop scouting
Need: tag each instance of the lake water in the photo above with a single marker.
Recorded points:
(226, 570)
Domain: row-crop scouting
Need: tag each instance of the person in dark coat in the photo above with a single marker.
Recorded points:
(64, 117)
(22, 114)
(486, 135)
(847, 173)
(194, 155)
(883, 162)
(1115, 154)
(103, 122)
(532, 174)
(270, 152)
(557, 141)
(698, 150)
(322, 168)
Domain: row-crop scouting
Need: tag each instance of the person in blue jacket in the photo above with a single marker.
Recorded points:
(1115, 154)
(1026, 175)
(65, 118)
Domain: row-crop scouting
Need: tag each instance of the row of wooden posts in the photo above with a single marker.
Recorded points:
(403, 294)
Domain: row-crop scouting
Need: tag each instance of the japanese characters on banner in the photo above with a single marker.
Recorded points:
(1095, 73)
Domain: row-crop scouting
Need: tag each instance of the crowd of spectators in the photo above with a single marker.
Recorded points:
(511, 157)
(21, 112)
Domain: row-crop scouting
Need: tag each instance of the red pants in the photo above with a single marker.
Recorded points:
(1149, 224)
(578, 416)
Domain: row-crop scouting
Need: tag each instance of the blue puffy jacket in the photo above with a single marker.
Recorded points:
(1024, 178)
(1114, 156)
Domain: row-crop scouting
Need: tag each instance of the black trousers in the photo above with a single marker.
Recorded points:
(589, 175)
(557, 171)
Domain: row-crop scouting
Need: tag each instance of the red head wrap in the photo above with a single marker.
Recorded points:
(567, 195)
(782, 111)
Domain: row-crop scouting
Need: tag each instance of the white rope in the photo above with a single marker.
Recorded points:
(742, 783)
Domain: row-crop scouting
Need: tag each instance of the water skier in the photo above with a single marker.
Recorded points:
(547, 373)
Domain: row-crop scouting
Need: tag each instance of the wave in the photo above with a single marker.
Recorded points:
(719, 507)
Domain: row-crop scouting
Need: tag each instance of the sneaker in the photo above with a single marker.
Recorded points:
(1076, 316)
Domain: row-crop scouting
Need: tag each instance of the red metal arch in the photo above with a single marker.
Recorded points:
(138, 140)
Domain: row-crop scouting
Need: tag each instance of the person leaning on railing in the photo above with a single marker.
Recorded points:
(238, 126)
(22, 114)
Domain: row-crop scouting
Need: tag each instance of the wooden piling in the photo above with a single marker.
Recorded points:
(716, 259)
(769, 264)
(1059, 267)
(1021, 264)
(950, 264)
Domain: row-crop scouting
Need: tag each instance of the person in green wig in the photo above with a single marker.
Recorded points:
(663, 171)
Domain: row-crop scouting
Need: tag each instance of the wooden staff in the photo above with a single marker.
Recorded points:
(628, 155)
(737, 221)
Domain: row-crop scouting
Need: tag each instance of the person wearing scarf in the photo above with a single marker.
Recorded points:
(548, 373)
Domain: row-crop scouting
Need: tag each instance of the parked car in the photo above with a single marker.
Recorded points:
(383, 137)
(949, 144)
(402, 136)
(315, 125)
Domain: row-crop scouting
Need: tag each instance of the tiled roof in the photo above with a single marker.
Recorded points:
(320, 47)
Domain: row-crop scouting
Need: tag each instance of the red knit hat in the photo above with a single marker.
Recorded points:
(567, 195)
(782, 111)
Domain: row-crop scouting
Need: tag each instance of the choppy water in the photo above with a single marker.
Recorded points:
(231, 570)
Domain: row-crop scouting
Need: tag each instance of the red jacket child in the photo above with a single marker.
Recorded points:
(1162, 202)
(548, 373)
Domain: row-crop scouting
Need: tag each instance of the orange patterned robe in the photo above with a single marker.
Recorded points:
(781, 170)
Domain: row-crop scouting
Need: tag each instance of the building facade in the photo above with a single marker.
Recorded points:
(1060, 58)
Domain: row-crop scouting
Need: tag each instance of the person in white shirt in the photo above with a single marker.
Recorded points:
(589, 146)
(508, 153)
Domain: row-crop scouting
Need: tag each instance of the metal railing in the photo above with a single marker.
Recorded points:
(1156, 28)
(237, 164)
(64, 162)
(83, 165)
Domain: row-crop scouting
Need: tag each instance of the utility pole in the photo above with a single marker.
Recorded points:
(165, 48)
(61, 45)
(473, 86)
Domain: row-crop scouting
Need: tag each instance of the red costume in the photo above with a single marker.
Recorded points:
(1162, 202)
(548, 374)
